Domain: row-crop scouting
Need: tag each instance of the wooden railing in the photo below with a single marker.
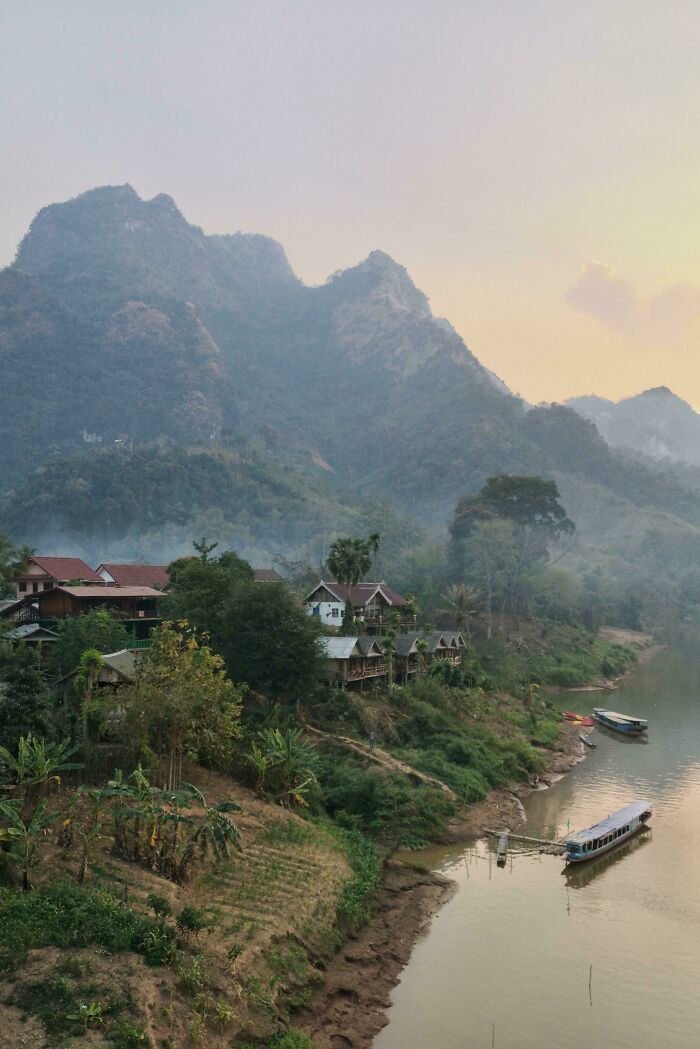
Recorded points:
(375, 669)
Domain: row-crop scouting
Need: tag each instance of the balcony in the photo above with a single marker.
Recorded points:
(375, 668)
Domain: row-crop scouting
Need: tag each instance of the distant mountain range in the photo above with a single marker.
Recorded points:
(656, 422)
(124, 329)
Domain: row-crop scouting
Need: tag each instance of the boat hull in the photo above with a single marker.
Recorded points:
(607, 833)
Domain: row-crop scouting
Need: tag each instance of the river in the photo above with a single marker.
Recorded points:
(507, 962)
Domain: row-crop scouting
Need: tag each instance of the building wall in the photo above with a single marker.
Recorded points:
(330, 613)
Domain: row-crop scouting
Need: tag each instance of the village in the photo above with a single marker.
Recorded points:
(50, 590)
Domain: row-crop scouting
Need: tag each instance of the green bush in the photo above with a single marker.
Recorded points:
(67, 915)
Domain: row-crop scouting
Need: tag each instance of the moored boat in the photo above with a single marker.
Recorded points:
(625, 723)
(586, 741)
(601, 837)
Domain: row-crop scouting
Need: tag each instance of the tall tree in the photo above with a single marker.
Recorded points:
(349, 560)
(24, 696)
(181, 702)
(490, 554)
(200, 587)
(270, 643)
(93, 630)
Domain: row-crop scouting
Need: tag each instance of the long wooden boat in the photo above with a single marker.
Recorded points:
(625, 723)
(601, 837)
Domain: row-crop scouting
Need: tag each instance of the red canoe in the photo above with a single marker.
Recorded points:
(580, 719)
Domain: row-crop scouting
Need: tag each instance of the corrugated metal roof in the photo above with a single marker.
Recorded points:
(267, 575)
(122, 661)
(339, 647)
(109, 593)
(21, 633)
(369, 646)
(618, 819)
(360, 594)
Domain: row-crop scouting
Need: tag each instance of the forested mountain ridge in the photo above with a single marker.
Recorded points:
(656, 423)
(121, 320)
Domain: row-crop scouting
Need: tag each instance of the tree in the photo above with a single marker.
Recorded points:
(12, 560)
(25, 836)
(180, 702)
(350, 560)
(36, 766)
(490, 556)
(91, 662)
(284, 763)
(268, 641)
(421, 649)
(388, 642)
(24, 696)
(93, 630)
(461, 600)
(200, 587)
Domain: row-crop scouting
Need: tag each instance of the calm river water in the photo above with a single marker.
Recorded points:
(507, 961)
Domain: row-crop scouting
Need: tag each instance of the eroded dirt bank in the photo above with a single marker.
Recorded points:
(350, 1008)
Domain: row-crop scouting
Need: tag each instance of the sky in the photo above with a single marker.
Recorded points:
(534, 165)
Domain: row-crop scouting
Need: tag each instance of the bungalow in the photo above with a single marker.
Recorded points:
(118, 668)
(353, 660)
(155, 576)
(441, 645)
(31, 634)
(43, 573)
(136, 606)
(374, 605)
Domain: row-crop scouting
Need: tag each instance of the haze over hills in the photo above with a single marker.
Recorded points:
(120, 321)
(656, 422)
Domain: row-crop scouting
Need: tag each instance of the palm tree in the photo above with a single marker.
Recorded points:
(461, 599)
(421, 649)
(25, 836)
(91, 662)
(388, 642)
(349, 560)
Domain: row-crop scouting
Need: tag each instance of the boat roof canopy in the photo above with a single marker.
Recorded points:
(614, 716)
(614, 822)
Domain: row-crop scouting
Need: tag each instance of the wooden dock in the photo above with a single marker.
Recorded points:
(548, 845)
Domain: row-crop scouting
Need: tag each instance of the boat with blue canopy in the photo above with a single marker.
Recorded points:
(593, 841)
(625, 723)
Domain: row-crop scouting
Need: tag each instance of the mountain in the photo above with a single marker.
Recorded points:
(656, 423)
(122, 322)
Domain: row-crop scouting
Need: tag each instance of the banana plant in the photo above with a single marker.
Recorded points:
(24, 838)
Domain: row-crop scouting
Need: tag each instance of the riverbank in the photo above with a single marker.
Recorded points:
(350, 1007)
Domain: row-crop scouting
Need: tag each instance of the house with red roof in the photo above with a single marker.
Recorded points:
(44, 573)
(155, 576)
(375, 605)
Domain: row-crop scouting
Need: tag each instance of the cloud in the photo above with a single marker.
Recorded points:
(661, 319)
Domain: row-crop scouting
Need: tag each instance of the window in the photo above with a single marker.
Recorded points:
(35, 588)
(335, 612)
(22, 587)
(48, 586)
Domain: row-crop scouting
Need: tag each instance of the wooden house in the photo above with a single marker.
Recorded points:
(352, 661)
(44, 573)
(374, 605)
(136, 606)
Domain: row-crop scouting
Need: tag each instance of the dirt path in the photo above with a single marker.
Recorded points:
(381, 757)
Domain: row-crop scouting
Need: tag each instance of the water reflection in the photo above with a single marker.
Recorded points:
(578, 875)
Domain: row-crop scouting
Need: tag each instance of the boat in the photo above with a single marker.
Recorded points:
(587, 742)
(581, 719)
(625, 723)
(601, 837)
(502, 851)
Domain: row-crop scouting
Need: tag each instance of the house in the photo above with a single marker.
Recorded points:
(155, 576)
(118, 668)
(353, 660)
(374, 605)
(43, 573)
(136, 606)
(410, 657)
(267, 575)
(31, 634)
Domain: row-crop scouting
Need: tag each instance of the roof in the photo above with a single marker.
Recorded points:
(65, 568)
(123, 662)
(27, 630)
(618, 819)
(360, 594)
(267, 575)
(369, 646)
(138, 575)
(107, 592)
(625, 719)
(339, 647)
(404, 644)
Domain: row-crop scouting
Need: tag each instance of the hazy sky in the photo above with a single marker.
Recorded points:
(534, 165)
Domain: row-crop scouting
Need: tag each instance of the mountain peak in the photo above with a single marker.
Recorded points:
(659, 391)
(379, 278)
